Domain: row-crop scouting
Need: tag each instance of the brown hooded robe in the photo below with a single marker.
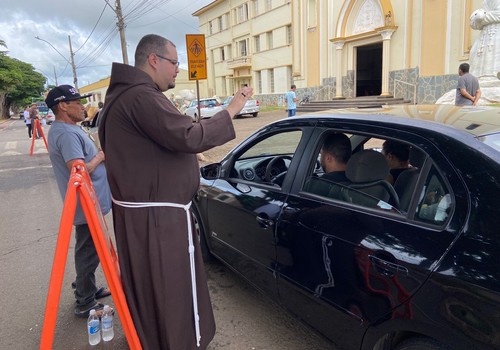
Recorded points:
(150, 150)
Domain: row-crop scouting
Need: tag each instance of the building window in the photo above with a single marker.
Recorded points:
(227, 20)
(221, 24)
(222, 55)
(229, 51)
(269, 5)
(243, 48)
(269, 37)
(243, 13)
(271, 80)
(255, 7)
(257, 43)
(258, 77)
(211, 27)
(289, 35)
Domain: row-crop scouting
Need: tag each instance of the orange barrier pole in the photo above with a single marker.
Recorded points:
(58, 266)
(33, 137)
(112, 276)
(80, 181)
(40, 129)
(37, 128)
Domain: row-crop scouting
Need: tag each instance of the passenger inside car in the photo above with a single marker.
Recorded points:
(407, 180)
(397, 155)
(334, 155)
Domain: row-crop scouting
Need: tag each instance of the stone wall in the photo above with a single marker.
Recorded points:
(426, 89)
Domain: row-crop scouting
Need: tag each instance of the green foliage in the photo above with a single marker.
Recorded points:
(19, 81)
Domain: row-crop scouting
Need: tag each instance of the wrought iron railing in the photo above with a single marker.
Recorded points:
(406, 90)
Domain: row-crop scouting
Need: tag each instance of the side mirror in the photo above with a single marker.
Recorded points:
(211, 171)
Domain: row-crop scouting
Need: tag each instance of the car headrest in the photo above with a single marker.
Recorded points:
(417, 157)
(367, 166)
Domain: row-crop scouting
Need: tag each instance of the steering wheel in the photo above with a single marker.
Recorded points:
(269, 174)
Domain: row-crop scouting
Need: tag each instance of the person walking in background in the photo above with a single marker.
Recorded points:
(468, 92)
(144, 136)
(68, 143)
(291, 101)
(34, 116)
(27, 120)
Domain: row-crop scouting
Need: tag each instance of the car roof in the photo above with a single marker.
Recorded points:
(475, 120)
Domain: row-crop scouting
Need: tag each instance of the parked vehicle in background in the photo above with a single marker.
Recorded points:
(50, 117)
(369, 264)
(208, 107)
(252, 107)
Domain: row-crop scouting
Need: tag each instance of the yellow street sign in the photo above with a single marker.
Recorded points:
(197, 56)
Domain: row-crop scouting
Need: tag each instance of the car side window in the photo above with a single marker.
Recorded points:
(435, 204)
(267, 160)
(347, 172)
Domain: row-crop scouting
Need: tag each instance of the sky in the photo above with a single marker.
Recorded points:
(95, 38)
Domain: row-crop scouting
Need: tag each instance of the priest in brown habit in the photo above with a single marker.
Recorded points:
(153, 174)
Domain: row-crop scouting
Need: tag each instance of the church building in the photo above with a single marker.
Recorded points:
(336, 49)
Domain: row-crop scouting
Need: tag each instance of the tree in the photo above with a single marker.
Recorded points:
(18, 83)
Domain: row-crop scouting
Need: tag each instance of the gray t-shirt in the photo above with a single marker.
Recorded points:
(67, 142)
(470, 84)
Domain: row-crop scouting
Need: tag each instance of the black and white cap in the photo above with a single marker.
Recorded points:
(63, 93)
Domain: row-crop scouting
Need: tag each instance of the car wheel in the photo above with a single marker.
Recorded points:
(421, 343)
(255, 114)
(200, 233)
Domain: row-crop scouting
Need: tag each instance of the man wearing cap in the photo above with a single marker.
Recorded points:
(68, 143)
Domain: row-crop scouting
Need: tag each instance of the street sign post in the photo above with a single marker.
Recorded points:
(197, 62)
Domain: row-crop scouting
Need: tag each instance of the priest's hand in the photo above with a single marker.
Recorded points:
(239, 100)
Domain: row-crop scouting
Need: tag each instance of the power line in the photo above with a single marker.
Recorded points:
(102, 12)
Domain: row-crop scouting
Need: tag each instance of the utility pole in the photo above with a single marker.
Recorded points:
(121, 27)
(75, 80)
(55, 75)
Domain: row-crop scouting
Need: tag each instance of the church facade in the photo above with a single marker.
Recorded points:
(337, 48)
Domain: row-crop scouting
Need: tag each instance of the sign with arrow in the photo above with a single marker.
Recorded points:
(197, 56)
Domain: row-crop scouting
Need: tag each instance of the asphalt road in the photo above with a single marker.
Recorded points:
(30, 210)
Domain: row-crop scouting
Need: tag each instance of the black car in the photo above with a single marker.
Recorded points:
(414, 268)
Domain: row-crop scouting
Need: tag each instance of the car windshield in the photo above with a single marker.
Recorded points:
(204, 103)
(43, 110)
(283, 143)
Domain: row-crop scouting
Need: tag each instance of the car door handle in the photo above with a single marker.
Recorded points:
(264, 222)
(387, 268)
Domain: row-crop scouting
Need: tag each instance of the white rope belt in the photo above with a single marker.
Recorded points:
(190, 249)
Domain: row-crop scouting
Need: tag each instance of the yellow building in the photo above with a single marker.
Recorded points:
(402, 48)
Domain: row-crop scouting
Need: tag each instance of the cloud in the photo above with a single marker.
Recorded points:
(54, 21)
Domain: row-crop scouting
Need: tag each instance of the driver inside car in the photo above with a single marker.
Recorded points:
(334, 155)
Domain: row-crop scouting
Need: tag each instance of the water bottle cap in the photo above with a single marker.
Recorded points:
(92, 312)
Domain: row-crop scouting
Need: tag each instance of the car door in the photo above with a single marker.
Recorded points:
(243, 206)
(344, 266)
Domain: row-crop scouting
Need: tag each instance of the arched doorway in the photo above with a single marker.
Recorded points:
(369, 70)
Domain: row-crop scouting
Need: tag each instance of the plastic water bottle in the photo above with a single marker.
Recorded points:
(107, 324)
(94, 328)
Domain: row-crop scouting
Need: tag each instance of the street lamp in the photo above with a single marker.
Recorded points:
(72, 62)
